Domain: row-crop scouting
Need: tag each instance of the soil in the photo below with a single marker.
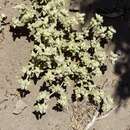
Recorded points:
(16, 112)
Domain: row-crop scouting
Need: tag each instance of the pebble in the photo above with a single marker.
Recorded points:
(19, 107)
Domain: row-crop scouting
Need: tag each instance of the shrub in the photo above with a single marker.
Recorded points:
(65, 59)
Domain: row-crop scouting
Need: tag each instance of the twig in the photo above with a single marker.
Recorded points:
(107, 114)
(4, 100)
(96, 118)
(93, 121)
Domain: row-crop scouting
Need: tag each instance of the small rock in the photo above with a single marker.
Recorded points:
(19, 107)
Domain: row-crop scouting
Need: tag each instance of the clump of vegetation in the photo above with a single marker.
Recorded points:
(65, 59)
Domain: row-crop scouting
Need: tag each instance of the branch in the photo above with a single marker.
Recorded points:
(96, 118)
(93, 121)
(107, 114)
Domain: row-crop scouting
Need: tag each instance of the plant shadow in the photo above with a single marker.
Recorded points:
(38, 115)
(19, 32)
(23, 93)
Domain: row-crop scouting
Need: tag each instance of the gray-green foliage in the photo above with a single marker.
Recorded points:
(65, 59)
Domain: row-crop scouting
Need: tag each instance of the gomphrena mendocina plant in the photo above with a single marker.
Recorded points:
(65, 59)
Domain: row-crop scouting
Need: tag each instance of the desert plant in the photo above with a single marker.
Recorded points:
(65, 59)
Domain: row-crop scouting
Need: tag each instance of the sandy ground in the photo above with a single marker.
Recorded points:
(14, 55)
